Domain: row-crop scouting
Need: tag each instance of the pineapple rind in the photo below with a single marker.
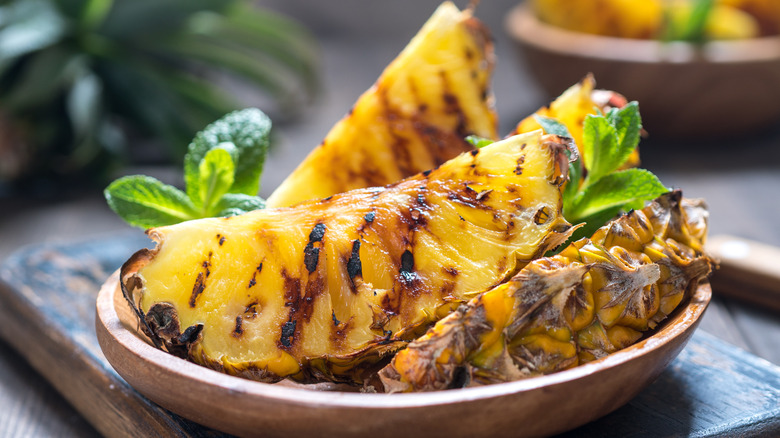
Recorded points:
(325, 289)
(597, 296)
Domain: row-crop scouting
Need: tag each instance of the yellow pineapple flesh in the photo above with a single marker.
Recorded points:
(597, 296)
(416, 116)
(325, 289)
(571, 108)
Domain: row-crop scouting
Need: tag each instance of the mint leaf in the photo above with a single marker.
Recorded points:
(600, 142)
(145, 202)
(628, 126)
(248, 130)
(233, 204)
(216, 173)
(614, 191)
(552, 126)
(478, 142)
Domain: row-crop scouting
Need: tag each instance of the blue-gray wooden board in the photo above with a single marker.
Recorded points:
(47, 312)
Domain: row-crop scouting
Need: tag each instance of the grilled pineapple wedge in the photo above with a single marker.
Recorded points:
(416, 116)
(571, 108)
(322, 290)
(597, 296)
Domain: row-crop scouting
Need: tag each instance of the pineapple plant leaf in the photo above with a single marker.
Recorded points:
(80, 77)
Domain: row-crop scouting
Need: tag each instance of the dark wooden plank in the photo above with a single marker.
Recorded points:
(47, 300)
(47, 305)
(710, 389)
(30, 407)
(718, 319)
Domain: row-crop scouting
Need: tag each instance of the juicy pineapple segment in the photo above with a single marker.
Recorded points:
(324, 289)
(571, 108)
(597, 296)
(416, 116)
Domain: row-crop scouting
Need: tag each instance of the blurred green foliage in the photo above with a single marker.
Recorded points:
(79, 78)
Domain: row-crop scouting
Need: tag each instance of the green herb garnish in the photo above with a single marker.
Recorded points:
(478, 142)
(608, 141)
(222, 172)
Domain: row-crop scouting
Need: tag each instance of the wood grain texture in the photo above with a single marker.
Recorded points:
(47, 299)
(25, 409)
(49, 292)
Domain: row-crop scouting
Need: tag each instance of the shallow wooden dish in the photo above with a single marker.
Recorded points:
(533, 407)
(719, 88)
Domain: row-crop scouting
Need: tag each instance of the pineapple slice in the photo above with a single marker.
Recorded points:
(324, 289)
(571, 108)
(416, 116)
(597, 296)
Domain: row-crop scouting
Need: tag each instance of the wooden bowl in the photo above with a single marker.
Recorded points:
(718, 88)
(532, 407)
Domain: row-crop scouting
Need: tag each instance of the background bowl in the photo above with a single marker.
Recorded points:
(718, 88)
(537, 406)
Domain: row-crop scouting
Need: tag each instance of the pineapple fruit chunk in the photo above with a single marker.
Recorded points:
(572, 107)
(416, 116)
(597, 296)
(325, 289)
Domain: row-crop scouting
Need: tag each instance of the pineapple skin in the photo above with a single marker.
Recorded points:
(414, 118)
(326, 289)
(597, 296)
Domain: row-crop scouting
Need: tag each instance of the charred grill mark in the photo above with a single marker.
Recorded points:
(441, 144)
(369, 217)
(317, 233)
(311, 254)
(338, 334)
(451, 271)
(314, 288)
(292, 291)
(336, 322)
(220, 239)
(288, 333)
(253, 280)
(519, 167)
(197, 289)
(452, 106)
(407, 262)
(469, 198)
(474, 152)
(354, 266)
(311, 257)
(447, 287)
(238, 330)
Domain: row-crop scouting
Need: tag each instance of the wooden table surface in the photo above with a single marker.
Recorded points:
(739, 177)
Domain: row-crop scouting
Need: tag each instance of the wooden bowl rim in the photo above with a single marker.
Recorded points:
(523, 25)
(682, 320)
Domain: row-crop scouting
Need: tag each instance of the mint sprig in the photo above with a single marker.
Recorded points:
(222, 172)
(608, 141)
